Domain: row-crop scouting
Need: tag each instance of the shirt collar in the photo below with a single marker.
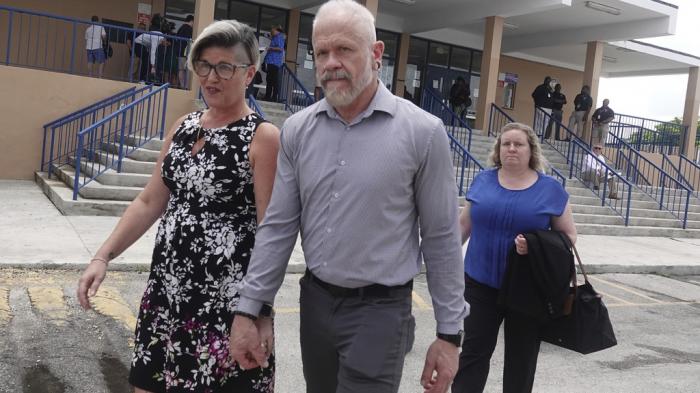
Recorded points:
(383, 101)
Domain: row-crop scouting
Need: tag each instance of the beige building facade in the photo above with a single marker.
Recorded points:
(503, 50)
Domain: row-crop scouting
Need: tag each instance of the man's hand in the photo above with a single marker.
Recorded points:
(440, 368)
(521, 245)
(266, 330)
(245, 346)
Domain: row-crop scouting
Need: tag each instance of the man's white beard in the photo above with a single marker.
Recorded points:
(340, 97)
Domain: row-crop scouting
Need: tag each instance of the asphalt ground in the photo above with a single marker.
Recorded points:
(49, 345)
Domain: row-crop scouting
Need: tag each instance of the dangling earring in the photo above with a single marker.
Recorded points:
(379, 65)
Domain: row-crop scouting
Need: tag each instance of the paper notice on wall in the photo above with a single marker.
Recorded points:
(475, 93)
(309, 65)
(501, 76)
(143, 14)
(436, 84)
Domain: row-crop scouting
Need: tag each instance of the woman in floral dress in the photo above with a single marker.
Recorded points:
(210, 188)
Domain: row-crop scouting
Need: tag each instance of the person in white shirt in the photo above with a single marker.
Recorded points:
(145, 47)
(594, 172)
(93, 43)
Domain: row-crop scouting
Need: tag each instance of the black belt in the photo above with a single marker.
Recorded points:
(374, 290)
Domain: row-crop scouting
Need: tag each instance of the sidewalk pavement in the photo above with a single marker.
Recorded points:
(34, 234)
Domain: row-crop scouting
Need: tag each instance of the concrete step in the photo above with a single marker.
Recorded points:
(95, 190)
(633, 221)
(152, 144)
(128, 165)
(619, 230)
(268, 105)
(650, 213)
(114, 178)
(62, 197)
(140, 154)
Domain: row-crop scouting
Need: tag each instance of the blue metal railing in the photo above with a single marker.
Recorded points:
(654, 136)
(669, 167)
(60, 136)
(467, 165)
(431, 102)
(690, 170)
(57, 43)
(584, 164)
(253, 104)
(497, 119)
(292, 93)
(541, 122)
(670, 194)
(104, 144)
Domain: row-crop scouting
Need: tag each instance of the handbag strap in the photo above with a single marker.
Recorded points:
(578, 258)
(571, 245)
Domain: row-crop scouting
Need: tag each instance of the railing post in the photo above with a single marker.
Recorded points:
(78, 158)
(43, 149)
(121, 144)
(685, 215)
(629, 201)
(9, 38)
(50, 162)
(165, 106)
(72, 49)
(663, 187)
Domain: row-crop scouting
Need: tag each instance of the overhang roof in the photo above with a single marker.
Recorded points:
(549, 31)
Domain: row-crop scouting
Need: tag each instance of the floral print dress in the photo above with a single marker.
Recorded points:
(203, 246)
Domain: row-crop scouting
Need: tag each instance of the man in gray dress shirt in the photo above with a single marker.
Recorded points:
(361, 174)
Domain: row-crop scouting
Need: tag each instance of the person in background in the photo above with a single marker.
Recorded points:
(542, 97)
(210, 188)
(513, 198)
(134, 49)
(594, 172)
(148, 48)
(558, 102)
(459, 97)
(368, 179)
(185, 33)
(601, 123)
(94, 35)
(582, 108)
(273, 62)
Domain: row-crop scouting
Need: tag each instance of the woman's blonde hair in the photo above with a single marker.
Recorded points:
(537, 160)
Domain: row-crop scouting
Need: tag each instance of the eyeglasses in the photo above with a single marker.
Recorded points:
(597, 148)
(223, 70)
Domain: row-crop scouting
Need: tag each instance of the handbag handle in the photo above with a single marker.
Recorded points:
(578, 259)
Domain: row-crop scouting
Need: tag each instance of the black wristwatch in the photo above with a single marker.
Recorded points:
(455, 339)
(267, 311)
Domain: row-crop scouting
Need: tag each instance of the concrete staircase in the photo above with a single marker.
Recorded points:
(111, 193)
(593, 219)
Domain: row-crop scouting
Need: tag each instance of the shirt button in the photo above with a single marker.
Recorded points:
(342, 163)
(325, 264)
(329, 230)
(347, 128)
(336, 195)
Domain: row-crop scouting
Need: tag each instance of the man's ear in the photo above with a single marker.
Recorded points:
(378, 51)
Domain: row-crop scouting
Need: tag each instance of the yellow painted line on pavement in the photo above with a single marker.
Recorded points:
(420, 303)
(51, 302)
(5, 313)
(625, 289)
(110, 303)
(621, 300)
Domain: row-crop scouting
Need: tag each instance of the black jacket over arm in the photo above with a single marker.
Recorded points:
(537, 284)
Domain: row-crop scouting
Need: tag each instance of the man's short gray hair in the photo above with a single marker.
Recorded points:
(350, 11)
(226, 34)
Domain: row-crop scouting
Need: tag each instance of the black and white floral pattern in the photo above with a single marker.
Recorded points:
(202, 250)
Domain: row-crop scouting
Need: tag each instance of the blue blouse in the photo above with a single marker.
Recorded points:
(498, 215)
(276, 57)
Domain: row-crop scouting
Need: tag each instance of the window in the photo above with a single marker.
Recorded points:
(117, 35)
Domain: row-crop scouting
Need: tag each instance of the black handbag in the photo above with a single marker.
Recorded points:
(587, 329)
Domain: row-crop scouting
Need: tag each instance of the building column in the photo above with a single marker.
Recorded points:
(371, 5)
(293, 39)
(690, 113)
(203, 17)
(401, 62)
(489, 71)
(591, 77)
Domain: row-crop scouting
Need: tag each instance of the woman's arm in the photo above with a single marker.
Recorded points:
(565, 223)
(135, 221)
(263, 160)
(465, 222)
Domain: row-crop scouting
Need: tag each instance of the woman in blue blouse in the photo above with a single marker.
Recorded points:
(513, 198)
(273, 62)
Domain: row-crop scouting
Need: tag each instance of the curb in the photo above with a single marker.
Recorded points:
(292, 268)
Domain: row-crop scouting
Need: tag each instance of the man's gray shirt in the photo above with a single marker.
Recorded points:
(358, 193)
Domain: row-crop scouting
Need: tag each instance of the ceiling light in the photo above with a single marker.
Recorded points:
(602, 8)
(610, 59)
(510, 26)
(407, 2)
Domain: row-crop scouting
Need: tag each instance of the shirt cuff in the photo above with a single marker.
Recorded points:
(249, 306)
(450, 328)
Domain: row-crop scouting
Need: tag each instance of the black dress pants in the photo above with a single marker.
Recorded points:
(522, 343)
(272, 90)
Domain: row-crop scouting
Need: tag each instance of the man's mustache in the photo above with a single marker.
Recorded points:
(334, 75)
